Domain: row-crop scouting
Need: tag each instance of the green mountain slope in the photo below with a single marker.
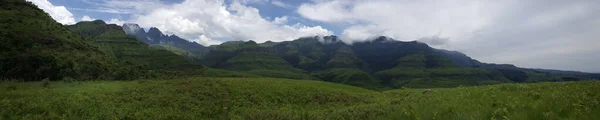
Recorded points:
(156, 62)
(270, 98)
(382, 62)
(349, 76)
(35, 47)
(112, 39)
(429, 71)
(155, 37)
(172, 49)
(250, 57)
(412, 64)
(344, 57)
(181, 52)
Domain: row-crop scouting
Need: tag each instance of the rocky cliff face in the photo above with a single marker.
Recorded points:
(155, 36)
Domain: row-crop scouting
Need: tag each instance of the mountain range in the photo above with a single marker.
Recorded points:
(36, 47)
(381, 62)
(155, 37)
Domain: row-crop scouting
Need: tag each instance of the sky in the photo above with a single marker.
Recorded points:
(552, 34)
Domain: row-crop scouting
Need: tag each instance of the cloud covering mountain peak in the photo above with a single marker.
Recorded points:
(212, 22)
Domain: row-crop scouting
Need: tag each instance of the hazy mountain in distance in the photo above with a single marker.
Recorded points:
(155, 36)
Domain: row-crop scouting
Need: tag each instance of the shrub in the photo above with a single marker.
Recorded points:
(68, 80)
(46, 83)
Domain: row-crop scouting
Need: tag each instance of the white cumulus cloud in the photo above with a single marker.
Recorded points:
(280, 20)
(115, 21)
(87, 18)
(532, 33)
(214, 19)
(202, 39)
(403, 20)
(58, 13)
(330, 11)
(280, 4)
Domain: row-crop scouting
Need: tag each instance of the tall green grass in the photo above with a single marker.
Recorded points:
(270, 98)
(563, 100)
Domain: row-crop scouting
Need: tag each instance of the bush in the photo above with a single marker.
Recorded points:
(68, 80)
(46, 83)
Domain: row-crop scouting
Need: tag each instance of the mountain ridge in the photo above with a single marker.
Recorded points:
(154, 36)
(456, 56)
(36, 47)
(323, 56)
(318, 55)
(378, 63)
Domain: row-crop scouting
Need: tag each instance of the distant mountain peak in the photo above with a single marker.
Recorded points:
(130, 24)
(154, 36)
(174, 36)
(100, 22)
(233, 42)
(154, 31)
(331, 38)
(154, 28)
(381, 39)
(132, 28)
(251, 42)
(335, 39)
(328, 39)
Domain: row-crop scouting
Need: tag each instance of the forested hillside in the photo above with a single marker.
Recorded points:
(35, 44)
(95, 70)
(111, 39)
(382, 63)
(35, 47)
(250, 57)
(156, 37)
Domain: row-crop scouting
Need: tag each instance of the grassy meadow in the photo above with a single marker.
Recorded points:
(273, 98)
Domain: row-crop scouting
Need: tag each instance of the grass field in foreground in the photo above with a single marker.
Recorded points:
(270, 98)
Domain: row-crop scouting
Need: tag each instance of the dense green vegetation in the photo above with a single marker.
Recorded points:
(349, 76)
(250, 57)
(155, 62)
(564, 100)
(155, 37)
(268, 98)
(112, 40)
(35, 47)
(53, 71)
(174, 49)
(382, 63)
(431, 71)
